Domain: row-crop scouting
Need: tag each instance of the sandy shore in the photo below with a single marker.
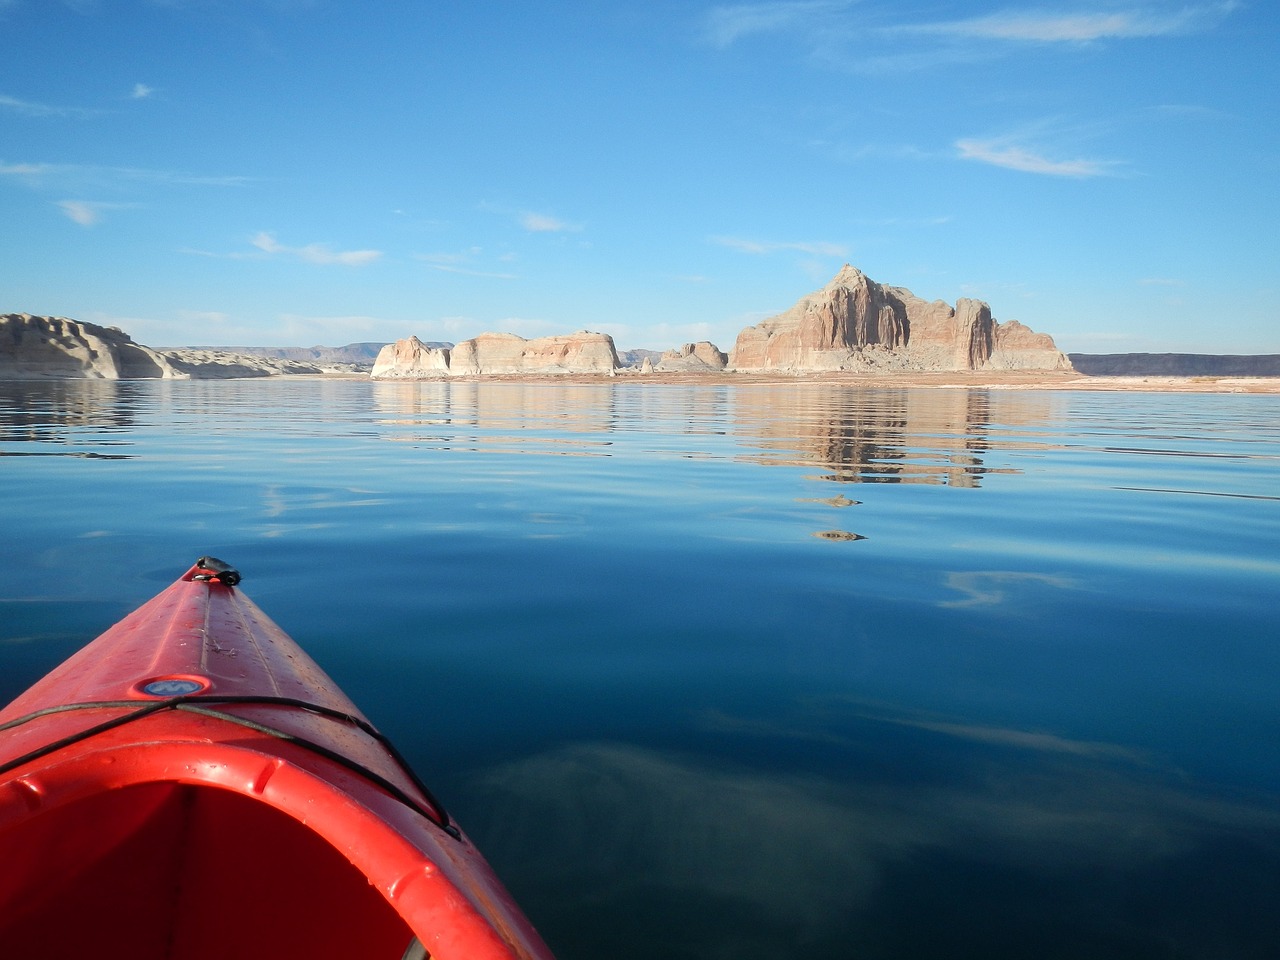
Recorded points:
(999, 380)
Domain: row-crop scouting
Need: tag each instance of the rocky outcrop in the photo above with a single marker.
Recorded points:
(1018, 347)
(701, 357)
(636, 357)
(55, 347)
(410, 359)
(497, 354)
(857, 324)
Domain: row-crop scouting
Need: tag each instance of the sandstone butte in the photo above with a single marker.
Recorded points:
(852, 324)
(493, 354)
(701, 357)
(857, 324)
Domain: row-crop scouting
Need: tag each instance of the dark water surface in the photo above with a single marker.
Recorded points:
(739, 671)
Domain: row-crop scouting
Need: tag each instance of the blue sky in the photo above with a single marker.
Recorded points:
(297, 172)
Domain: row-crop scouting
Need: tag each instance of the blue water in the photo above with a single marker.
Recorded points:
(739, 670)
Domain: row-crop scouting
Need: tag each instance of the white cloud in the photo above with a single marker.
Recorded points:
(1043, 27)
(141, 91)
(532, 220)
(69, 175)
(1000, 153)
(315, 252)
(817, 248)
(462, 263)
(869, 43)
(88, 213)
(24, 169)
(726, 25)
(468, 272)
(30, 108)
(542, 223)
(83, 213)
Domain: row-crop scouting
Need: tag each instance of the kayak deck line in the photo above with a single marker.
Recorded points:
(199, 703)
(191, 785)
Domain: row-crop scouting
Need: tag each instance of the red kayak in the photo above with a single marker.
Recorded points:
(191, 786)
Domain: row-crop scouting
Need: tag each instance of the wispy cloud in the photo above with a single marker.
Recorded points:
(726, 25)
(543, 223)
(469, 272)
(758, 247)
(23, 169)
(141, 92)
(31, 108)
(462, 263)
(88, 213)
(860, 38)
(315, 252)
(1012, 156)
(534, 221)
(1046, 27)
(81, 173)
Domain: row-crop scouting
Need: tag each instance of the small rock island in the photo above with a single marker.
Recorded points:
(853, 324)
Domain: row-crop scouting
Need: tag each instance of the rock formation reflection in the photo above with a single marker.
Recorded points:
(68, 418)
(857, 435)
(935, 436)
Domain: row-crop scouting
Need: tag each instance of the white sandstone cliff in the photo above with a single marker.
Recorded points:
(54, 347)
(492, 354)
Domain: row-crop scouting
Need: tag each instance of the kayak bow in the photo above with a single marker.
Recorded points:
(191, 786)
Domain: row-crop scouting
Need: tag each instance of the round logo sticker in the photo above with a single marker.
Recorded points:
(172, 687)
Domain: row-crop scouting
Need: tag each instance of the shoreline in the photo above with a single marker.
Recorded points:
(952, 379)
(988, 380)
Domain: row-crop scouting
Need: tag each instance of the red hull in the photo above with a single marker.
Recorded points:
(196, 810)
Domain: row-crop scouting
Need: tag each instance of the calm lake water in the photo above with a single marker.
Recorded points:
(771, 672)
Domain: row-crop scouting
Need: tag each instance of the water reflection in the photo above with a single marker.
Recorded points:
(946, 437)
(859, 435)
(884, 435)
(61, 417)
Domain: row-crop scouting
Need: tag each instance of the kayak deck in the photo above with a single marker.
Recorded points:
(192, 785)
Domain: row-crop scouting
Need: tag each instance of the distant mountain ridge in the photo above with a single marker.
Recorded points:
(1176, 364)
(359, 354)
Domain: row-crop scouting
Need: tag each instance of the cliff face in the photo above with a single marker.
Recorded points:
(39, 347)
(499, 353)
(854, 323)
